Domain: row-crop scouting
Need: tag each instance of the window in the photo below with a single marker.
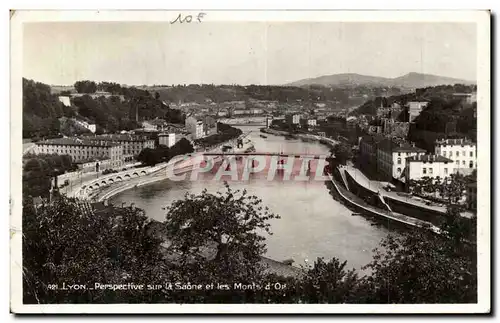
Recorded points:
(446, 171)
(424, 170)
(458, 162)
(471, 164)
(399, 170)
(458, 153)
(399, 161)
(430, 171)
(472, 154)
(463, 162)
(399, 154)
(451, 154)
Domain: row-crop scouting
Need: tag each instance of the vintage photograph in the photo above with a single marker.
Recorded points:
(298, 158)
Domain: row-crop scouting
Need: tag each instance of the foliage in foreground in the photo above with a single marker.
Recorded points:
(217, 240)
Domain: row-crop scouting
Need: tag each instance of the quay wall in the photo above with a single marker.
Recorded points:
(415, 211)
(401, 219)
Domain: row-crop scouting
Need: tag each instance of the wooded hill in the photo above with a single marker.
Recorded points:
(42, 109)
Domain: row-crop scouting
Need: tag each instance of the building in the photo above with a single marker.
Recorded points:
(98, 94)
(90, 126)
(293, 118)
(94, 164)
(269, 121)
(167, 139)
(83, 149)
(462, 151)
(472, 196)
(394, 128)
(132, 144)
(391, 158)
(64, 99)
(432, 166)
(368, 151)
(194, 127)
(414, 109)
(308, 122)
(209, 125)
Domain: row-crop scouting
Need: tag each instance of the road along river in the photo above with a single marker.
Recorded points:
(312, 223)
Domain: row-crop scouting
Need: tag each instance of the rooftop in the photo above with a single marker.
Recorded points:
(389, 145)
(372, 139)
(121, 137)
(429, 159)
(455, 142)
(91, 141)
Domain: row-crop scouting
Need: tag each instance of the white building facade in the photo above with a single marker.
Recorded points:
(463, 153)
(391, 158)
(167, 139)
(292, 118)
(432, 166)
(83, 150)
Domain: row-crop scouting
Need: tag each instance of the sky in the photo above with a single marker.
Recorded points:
(137, 53)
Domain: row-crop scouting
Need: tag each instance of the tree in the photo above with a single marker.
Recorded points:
(327, 282)
(149, 156)
(342, 153)
(217, 236)
(181, 147)
(85, 86)
(422, 267)
(66, 242)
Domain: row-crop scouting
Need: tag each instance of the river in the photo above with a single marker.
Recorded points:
(312, 223)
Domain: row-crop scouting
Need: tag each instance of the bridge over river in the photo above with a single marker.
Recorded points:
(312, 223)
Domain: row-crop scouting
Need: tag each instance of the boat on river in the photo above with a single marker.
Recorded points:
(262, 136)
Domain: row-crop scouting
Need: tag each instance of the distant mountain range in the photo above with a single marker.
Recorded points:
(411, 80)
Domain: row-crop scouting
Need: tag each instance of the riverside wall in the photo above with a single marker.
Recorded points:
(425, 214)
(394, 217)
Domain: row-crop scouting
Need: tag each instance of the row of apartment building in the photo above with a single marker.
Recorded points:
(404, 161)
(112, 150)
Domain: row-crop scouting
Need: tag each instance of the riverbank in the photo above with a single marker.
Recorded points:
(356, 202)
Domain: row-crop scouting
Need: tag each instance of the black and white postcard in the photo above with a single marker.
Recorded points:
(250, 162)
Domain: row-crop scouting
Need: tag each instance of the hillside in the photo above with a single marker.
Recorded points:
(45, 116)
(429, 93)
(344, 79)
(417, 80)
(409, 81)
